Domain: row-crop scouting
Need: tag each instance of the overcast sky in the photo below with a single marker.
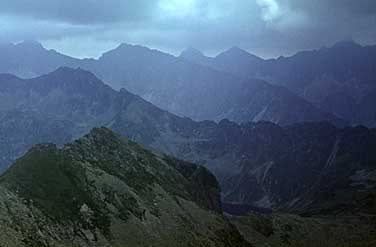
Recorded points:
(87, 28)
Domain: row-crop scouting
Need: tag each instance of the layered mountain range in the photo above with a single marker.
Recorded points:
(260, 164)
(170, 83)
(339, 79)
(319, 87)
(105, 190)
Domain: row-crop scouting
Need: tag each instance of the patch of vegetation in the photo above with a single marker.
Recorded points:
(101, 177)
(56, 185)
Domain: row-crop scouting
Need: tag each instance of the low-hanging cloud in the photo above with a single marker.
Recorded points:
(267, 27)
(80, 12)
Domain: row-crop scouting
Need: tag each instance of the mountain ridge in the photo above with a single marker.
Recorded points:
(169, 82)
(316, 75)
(64, 108)
(102, 190)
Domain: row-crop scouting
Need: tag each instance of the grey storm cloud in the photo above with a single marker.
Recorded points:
(80, 11)
(266, 27)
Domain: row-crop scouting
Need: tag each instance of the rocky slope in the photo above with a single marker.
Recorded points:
(77, 98)
(265, 165)
(276, 230)
(170, 82)
(102, 190)
(310, 168)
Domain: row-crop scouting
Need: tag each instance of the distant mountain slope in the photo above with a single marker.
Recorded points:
(346, 63)
(30, 59)
(338, 79)
(19, 130)
(235, 61)
(262, 164)
(193, 55)
(102, 190)
(308, 168)
(170, 83)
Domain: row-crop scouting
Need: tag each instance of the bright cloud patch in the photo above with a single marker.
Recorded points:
(270, 9)
(178, 8)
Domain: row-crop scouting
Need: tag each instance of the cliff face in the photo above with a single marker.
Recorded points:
(102, 190)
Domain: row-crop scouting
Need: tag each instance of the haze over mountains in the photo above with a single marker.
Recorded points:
(320, 88)
(309, 168)
(250, 160)
(187, 123)
(170, 82)
(339, 79)
(302, 160)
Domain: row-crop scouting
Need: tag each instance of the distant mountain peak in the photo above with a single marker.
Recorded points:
(237, 52)
(126, 46)
(73, 78)
(236, 49)
(191, 52)
(128, 50)
(69, 70)
(33, 44)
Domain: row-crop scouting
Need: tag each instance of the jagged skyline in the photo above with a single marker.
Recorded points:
(165, 123)
(267, 28)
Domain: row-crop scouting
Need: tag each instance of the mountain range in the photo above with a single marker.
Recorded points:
(260, 164)
(103, 189)
(308, 86)
(170, 82)
(338, 79)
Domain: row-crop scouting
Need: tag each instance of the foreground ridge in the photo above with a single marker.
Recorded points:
(102, 190)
